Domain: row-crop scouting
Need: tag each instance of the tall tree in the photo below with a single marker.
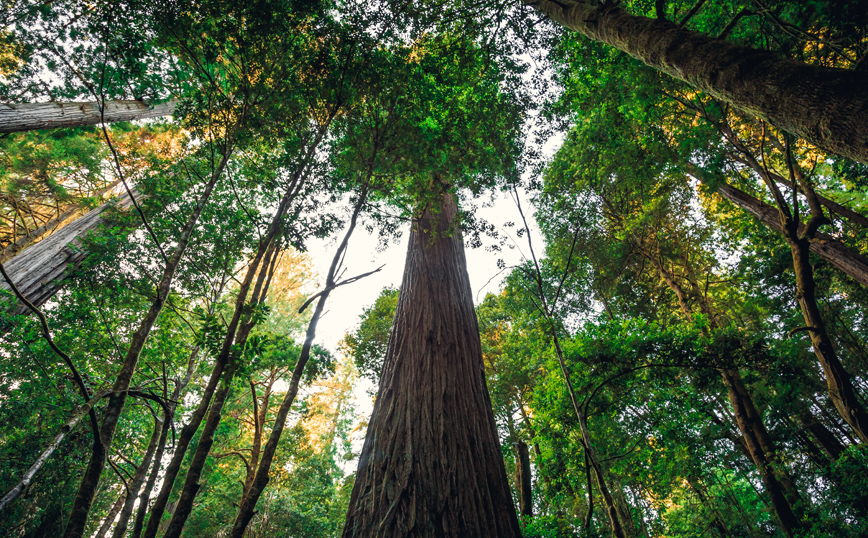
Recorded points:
(431, 463)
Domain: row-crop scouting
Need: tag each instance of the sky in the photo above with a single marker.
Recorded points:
(346, 303)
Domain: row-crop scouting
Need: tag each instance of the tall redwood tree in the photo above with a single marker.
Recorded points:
(431, 465)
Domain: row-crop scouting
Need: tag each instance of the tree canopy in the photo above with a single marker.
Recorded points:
(675, 344)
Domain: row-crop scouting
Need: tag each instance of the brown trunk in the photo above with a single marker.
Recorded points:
(825, 106)
(138, 479)
(145, 497)
(298, 179)
(783, 493)
(117, 399)
(191, 486)
(168, 417)
(781, 489)
(206, 440)
(826, 247)
(827, 441)
(431, 465)
(256, 487)
(523, 480)
(841, 390)
(33, 116)
(110, 517)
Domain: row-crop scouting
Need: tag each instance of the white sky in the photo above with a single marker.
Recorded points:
(346, 303)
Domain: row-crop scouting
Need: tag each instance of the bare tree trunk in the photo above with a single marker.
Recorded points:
(825, 106)
(33, 116)
(37, 270)
(523, 479)
(253, 492)
(138, 479)
(841, 390)
(431, 464)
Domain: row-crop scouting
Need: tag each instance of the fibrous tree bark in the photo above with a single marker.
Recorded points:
(37, 270)
(825, 106)
(33, 116)
(431, 465)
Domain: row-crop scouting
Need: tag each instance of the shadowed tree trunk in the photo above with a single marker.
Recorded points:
(139, 479)
(431, 465)
(33, 116)
(825, 106)
(783, 492)
(523, 479)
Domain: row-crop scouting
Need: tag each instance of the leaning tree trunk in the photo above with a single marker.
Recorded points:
(827, 247)
(825, 106)
(117, 399)
(33, 116)
(37, 270)
(841, 390)
(431, 464)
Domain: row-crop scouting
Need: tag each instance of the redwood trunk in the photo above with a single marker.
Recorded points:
(431, 465)
(825, 106)
(525, 490)
(33, 116)
(36, 270)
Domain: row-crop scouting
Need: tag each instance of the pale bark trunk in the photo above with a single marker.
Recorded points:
(43, 457)
(33, 116)
(37, 270)
(825, 106)
(431, 465)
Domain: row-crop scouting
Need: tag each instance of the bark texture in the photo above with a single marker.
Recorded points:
(523, 479)
(37, 270)
(431, 465)
(825, 106)
(33, 116)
